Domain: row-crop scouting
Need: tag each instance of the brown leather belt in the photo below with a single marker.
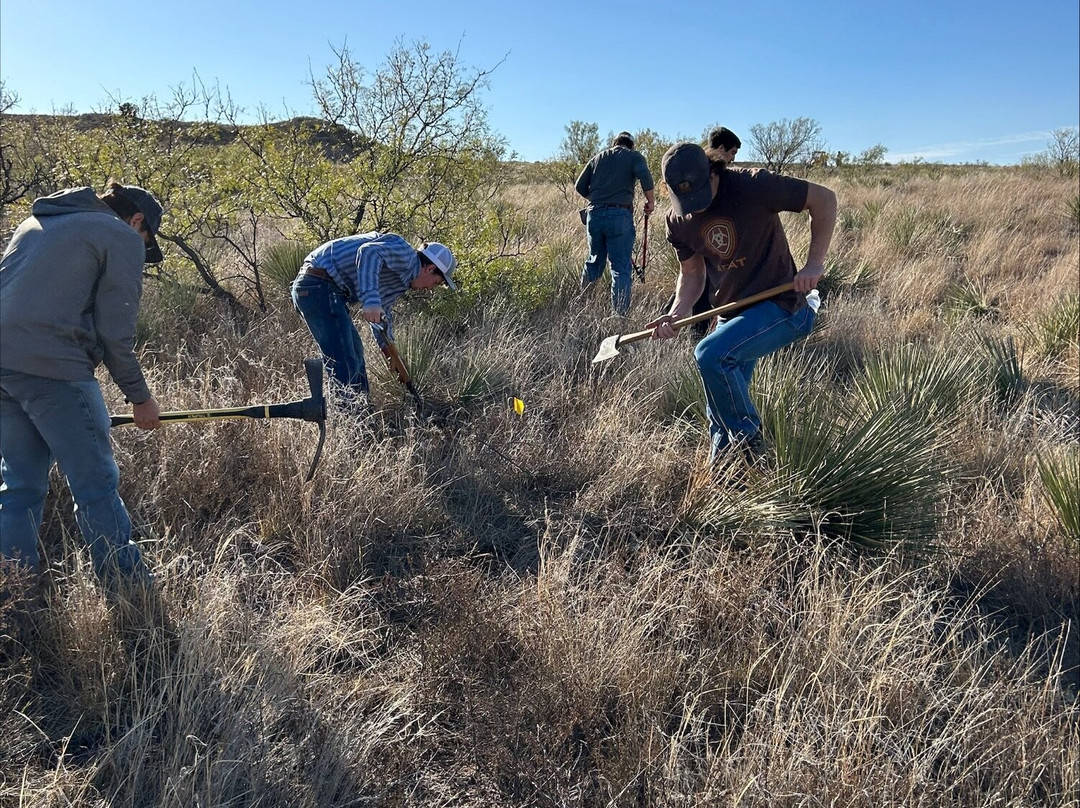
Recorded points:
(307, 269)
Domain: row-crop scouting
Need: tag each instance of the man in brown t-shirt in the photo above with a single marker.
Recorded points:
(725, 224)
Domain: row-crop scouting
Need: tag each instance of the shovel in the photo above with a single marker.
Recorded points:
(610, 346)
(309, 409)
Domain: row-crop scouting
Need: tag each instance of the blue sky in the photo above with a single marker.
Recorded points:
(945, 81)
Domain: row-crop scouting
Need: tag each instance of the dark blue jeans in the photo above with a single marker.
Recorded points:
(42, 420)
(726, 359)
(326, 312)
(611, 236)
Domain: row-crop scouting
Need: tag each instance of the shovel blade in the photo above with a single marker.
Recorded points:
(608, 349)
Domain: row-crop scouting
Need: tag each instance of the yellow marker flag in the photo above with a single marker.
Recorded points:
(519, 405)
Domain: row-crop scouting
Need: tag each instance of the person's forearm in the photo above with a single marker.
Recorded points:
(822, 210)
(688, 287)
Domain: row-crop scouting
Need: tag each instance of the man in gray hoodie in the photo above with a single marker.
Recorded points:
(70, 284)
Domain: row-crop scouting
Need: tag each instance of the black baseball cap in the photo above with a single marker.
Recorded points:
(686, 169)
(151, 210)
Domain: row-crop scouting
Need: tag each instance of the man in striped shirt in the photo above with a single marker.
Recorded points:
(371, 270)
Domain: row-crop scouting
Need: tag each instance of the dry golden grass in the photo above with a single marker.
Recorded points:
(558, 609)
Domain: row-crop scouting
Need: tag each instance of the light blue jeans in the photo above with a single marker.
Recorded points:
(611, 236)
(42, 420)
(726, 359)
(326, 312)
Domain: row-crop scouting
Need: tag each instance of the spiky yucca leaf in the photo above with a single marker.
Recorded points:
(1060, 475)
(742, 504)
(873, 480)
(1002, 367)
(934, 383)
(282, 261)
(968, 299)
(1058, 330)
(683, 395)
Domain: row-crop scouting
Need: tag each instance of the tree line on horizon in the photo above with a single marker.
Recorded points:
(405, 147)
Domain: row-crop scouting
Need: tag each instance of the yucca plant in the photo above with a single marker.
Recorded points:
(933, 384)
(477, 378)
(683, 395)
(873, 209)
(868, 474)
(732, 502)
(1058, 329)
(872, 479)
(418, 345)
(1060, 476)
(281, 262)
(841, 276)
(1002, 367)
(905, 228)
(968, 299)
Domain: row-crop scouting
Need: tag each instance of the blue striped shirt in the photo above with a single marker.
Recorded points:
(374, 269)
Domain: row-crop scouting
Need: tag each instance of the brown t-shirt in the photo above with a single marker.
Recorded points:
(740, 235)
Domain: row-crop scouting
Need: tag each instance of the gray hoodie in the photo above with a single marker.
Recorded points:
(70, 283)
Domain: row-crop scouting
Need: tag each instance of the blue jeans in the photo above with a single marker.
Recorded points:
(325, 310)
(42, 420)
(611, 235)
(726, 359)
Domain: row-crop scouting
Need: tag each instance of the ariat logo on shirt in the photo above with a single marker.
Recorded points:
(719, 236)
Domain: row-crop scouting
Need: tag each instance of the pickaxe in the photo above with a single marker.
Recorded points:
(309, 409)
(610, 346)
(395, 363)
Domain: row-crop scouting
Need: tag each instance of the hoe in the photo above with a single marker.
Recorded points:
(311, 409)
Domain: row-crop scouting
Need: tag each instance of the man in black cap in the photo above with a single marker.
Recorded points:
(725, 225)
(607, 181)
(723, 145)
(70, 286)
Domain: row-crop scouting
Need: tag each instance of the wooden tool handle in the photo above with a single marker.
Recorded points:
(727, 308)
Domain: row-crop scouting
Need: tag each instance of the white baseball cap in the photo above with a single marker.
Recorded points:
(443, 259)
